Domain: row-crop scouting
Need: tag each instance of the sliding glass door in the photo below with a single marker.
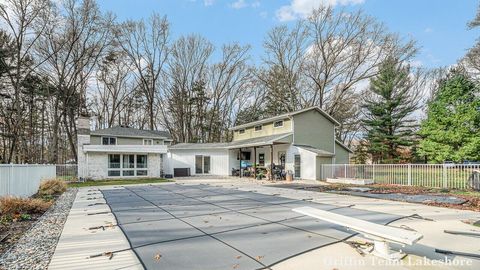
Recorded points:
(202, 164)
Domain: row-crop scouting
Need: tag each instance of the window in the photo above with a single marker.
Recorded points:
(278, 123)
(114, 163)
(245, 156)
(147, 141)
(128, 161)
(258, 128)
(261, 159)
(141, 161)
(109, 140)
(297, 166)
(202, 164)
(127, 165)
(241, 131)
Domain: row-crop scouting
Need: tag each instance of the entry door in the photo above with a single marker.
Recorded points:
(297, 166)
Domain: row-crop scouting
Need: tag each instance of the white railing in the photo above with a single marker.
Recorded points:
(23, 179)
(426, 175)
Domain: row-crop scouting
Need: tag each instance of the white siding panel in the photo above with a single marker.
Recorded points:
(219, 159)
(307, 162)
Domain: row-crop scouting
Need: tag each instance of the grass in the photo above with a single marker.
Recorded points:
(119, 182)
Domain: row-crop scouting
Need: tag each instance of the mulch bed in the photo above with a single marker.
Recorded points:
(10, 232)
(472, 197)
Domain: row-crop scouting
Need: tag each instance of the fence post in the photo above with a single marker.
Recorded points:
(409, 174)
(373, 172)
(445, 185)
(345, 175)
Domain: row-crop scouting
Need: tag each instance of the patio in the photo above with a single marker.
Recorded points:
(233, 224)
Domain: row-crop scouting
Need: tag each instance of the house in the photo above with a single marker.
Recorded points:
(299, 141)
(120, 151)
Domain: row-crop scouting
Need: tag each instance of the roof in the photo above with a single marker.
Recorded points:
(343, 145)
(319, 152)
(287, 115)
(132, 132)
(259, 141)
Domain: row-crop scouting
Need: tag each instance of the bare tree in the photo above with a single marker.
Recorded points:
(284, 62)
(146, 44)
(114, 85)
(346, 50)
(25, 21)
(76, 42)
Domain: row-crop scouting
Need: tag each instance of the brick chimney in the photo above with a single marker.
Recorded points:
(83, 137)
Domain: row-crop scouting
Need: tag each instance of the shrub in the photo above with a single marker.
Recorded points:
(14, 206)
(52, 187)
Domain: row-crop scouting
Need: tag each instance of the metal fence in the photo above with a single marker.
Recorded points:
(457, 176)
(67, 172)
(23, 179)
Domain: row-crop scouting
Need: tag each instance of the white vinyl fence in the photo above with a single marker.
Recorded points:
(23, 179)
(459, 176)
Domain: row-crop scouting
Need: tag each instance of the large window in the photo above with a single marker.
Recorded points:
(202, 164)
(109, 140)
(127, 165)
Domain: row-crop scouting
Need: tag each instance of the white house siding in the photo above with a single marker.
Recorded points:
(97, 165)
(82, 162)
(307, 162)
(219, 160)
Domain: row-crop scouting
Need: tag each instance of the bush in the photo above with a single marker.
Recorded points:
(15, 206)
(52, 187)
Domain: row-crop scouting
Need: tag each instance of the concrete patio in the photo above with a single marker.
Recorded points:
(222, 224)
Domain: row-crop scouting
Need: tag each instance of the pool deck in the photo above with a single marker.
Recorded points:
(78, 243)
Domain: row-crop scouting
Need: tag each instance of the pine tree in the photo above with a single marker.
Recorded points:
(388, 106)
(451, 130)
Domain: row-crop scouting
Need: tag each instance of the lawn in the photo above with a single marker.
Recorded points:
(119, 182)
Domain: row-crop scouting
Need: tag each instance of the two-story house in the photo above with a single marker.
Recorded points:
(120, 152)
(299, 141)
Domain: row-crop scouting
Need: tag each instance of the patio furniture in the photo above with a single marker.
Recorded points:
(381, 235)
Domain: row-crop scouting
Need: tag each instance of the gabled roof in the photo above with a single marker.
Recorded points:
(258, 141)
(285, 116)
(132, 132)
(319, 152)
(343, 145)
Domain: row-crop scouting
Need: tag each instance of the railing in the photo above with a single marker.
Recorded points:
(67, 172)
(23, 179)
(426, 175)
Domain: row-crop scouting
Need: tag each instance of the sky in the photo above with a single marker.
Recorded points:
(438, 26)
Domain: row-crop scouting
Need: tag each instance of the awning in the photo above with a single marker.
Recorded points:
(319, 152)
(258, 141)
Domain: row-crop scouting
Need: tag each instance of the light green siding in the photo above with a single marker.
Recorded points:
(319, 162)
(342, 156)
(267, 130)
(97, 140)
(312, 128)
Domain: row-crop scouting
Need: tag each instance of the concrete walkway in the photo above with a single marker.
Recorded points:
(77, 243)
